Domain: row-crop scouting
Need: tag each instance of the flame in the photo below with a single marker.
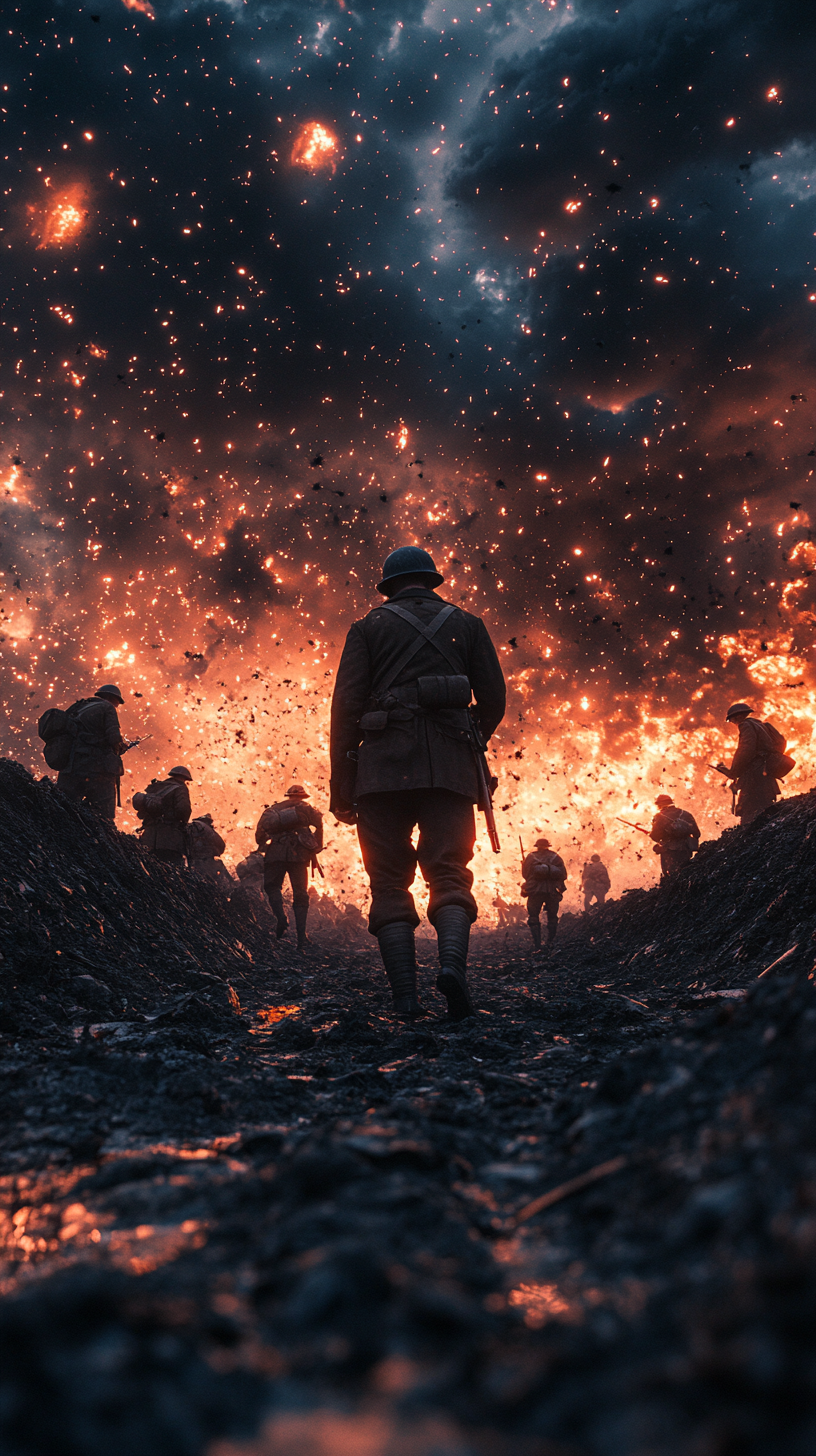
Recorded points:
(143, 6)
(61, 221)
(315, 147)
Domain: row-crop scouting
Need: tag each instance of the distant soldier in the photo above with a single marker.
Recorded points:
(595, 881)
(676, 834)
(291, 836)
(204, 848)
(250, 872)
(90, 749)
(759, 760)
(164, 809)
(403, 755)
(545, 878)
(502, 908)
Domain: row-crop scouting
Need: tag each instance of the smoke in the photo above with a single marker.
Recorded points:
(546, 310)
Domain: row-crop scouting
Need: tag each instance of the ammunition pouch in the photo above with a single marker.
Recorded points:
(445, 691)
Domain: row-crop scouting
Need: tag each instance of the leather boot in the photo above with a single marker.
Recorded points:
(282, 924)
(452, 926)
(552, 927)
(535, 931)
(398, 951)
(301, 911)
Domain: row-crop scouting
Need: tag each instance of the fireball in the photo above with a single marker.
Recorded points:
(315, 147)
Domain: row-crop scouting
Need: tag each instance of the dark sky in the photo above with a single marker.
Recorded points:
(569, 248)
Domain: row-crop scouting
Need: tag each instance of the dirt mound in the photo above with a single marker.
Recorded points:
(582, 1223)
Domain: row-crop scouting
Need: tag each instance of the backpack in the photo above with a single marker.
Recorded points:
(150, 805)
(680, 826)
(778, 763)
(281, 821)
(204, 841)
(58, 728)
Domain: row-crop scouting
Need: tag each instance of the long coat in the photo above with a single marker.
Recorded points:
(99, 742)
(169, 833)
(404, 746)
(295, 845)
(757, 790)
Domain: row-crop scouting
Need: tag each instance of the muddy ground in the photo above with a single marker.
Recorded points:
(245, 1213)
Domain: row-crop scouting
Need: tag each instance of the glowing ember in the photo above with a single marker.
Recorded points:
(315, 147)
(143, 6)
(271, 1014)
(61, 221)
(402, 437)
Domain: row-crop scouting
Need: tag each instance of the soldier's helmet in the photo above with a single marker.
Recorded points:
(206, 817)
(737, 710)
(542, 844)
(663, 800)
(596, 858)
(109, 690)
(408, 561)
(297, 791)
(181, 773)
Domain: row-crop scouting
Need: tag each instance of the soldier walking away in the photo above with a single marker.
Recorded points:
(85, 744)
(204, 848)
(676, 834)
(545, 878)
(760, 760)
(595, 881)
(404, 754)
(164, 809)
(291, 835)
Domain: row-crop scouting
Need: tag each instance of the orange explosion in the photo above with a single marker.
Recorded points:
(142, 5)
(60, 221)
(315, 147)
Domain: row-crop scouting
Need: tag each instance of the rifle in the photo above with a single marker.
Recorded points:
(521, 847)
(731, 784)
(134, 742)
(485, 801)
(717, 769)
(631, 825)
(316, 865)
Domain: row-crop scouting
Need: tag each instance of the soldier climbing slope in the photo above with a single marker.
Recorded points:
(204, 849)
(164, 809)
(545, 878)
(676, 834)
(291, 835)
(84, 743)
(403, 754)
(759, 761)
(595, 881)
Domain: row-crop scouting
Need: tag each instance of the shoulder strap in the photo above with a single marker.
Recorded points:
(427, 634)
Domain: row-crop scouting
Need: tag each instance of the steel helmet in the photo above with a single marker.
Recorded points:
(297, 791)
(180, 773)
(110, 690)
(736, 711)
(409, 561)
(664, 799)
(542, 844)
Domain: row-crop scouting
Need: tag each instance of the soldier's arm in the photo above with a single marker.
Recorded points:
(317, 828)
(352, 689)
(262, 833)
(656, 830)
(111, 729)
(181, 802)
(487, 681)
(560, 867)
(746, 751)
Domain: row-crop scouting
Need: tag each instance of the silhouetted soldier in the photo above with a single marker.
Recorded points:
(291, 835)
(761, 748)
(595, 881)
(545, 878)
(250, 872)
(95, 764)
(676, 834)
(400, 718)
(164, 809)
(502, 907)
(204, 848)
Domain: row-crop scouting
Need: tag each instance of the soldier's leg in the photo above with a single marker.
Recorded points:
(274, 873)
(100, 793)
(601, 897)
(534, 904)
(447, 833)
(71, 785)
(552, 903)
(385, 823)
(587, 900)
(299, 880)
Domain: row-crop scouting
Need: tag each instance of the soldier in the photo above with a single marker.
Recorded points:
(676, 834)
(165, 809)
(204, 848)
(95, 763)
(402, 756)
(291, 835)
(502, 907)
(545, 878)
(250, 872)
(759, 743)
(595, 881)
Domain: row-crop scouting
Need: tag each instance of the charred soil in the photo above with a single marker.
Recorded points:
(245, 1212)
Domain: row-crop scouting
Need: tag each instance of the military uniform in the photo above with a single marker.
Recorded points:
(291, 834)
(677, 837)
(250, 872)
(95, 765)
(595, 882)
(756, 788)
(402, 757)
(204, 846)
(164, 830)
(545, 877)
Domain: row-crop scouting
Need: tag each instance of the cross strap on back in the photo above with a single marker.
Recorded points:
(426, 634)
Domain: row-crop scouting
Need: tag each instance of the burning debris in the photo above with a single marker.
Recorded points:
(242, 1203)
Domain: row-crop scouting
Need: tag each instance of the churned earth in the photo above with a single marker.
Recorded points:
(245, 1213)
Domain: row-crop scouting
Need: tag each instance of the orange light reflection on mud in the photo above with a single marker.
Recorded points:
(271, 1014)
(315, 147)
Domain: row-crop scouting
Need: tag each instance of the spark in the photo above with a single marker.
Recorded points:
(315, 147)
(402, 437)
(62, 221)
(571, 206)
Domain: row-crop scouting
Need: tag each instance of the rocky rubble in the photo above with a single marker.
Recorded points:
(244, 1212)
